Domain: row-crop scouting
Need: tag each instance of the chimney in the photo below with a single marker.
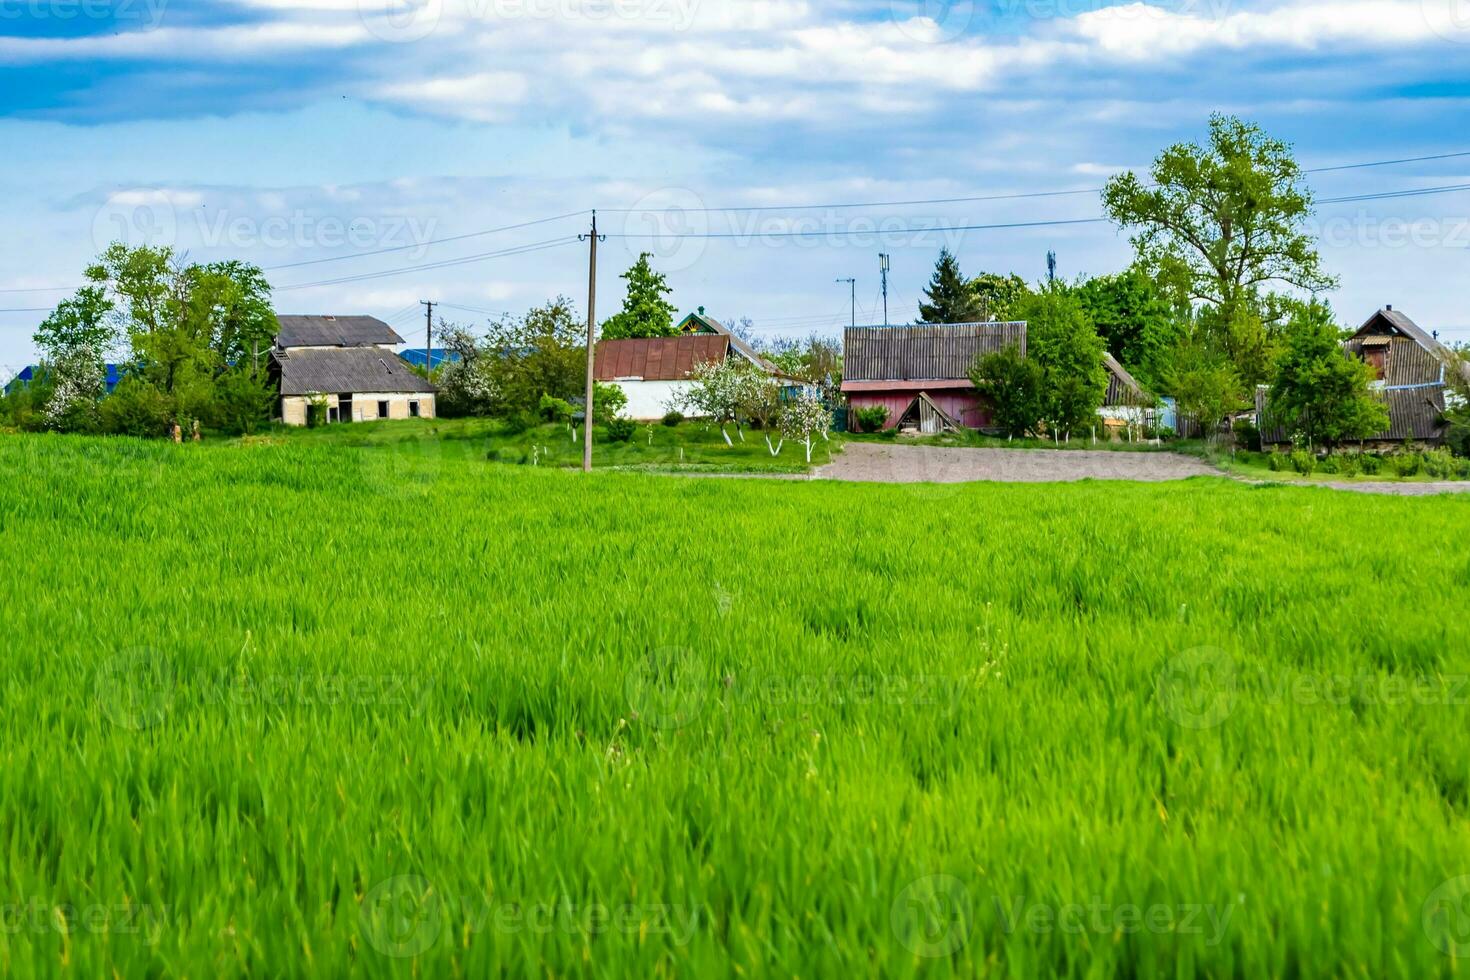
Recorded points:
(1389, 307)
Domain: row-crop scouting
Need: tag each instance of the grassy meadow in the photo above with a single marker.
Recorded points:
(293, 706)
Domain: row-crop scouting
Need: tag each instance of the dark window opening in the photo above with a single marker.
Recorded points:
(413, 410)
(382, 410)
(345, 401)
(332, 414)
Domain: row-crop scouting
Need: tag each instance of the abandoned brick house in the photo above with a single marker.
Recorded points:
(347, 365)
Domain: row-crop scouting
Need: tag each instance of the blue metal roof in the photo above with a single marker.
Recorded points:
(28, 374)
(417, 356)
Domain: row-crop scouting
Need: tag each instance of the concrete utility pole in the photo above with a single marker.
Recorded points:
(593, 238)
(428, 306)
(884, 264)
(853, 284)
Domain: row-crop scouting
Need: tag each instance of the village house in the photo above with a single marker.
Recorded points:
(654, 372)
(346, 364)
(921, 375)
(1410, 365)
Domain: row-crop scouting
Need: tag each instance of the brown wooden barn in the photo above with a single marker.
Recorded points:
(1411, 365)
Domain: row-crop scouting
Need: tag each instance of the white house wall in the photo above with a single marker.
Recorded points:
(650, 400)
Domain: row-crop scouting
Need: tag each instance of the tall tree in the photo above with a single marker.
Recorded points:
(951, 300)
(645, 312)
(1230, 216)
(1002, 295)
(74, 341)
(1322, 395)
(541, 353)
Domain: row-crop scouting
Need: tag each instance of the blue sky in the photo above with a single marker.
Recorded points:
(293, 131)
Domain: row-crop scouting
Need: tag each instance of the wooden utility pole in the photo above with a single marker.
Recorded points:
(428, 306)
(593, 238)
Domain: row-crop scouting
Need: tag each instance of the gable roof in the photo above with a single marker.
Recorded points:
(346, 370)
(1123, 389)
(924, 352)
(697, 323)
(334, 331)
(657, 358)
(1394, 321)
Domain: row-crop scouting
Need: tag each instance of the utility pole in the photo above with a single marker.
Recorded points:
(853, 284)
(883, 267)
(593, 239)
(428, 334)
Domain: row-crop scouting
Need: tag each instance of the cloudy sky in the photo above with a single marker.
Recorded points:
(373, 153)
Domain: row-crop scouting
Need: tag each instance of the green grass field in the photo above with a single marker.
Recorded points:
(296, 707)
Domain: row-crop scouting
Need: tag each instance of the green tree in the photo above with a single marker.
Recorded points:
(1002, 295)
(1014, 386)
(234, 298)
(541, 353)
(1135, 320)
(1457, 399)
(1066, 346)
(645, 312)
(1322, 395)
(951, 300)
(1230, 216)
(1205, 385)
(74, 341)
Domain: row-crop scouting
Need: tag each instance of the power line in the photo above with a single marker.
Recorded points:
(426, 244)
(1001, 197)
(465, 260)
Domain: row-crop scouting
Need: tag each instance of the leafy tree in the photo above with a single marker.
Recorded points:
(608, 402)
(1322, 395)
(645, 312)
(81, 323)
(137, 408)
(1457, 400)
(1014, 386)
(1001, 295)
(541, 353)
(466, 381)
(951, 300)
(816, 360)
(1205, 385)
(1229, 216)
(1135, 320)
(760, 402)
(245, 398)
(233, 297)
(1065, 345)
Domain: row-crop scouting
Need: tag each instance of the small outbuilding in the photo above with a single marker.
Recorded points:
(346, 364)
(920, 375)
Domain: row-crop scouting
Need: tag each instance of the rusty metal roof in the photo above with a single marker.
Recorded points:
(658, 358)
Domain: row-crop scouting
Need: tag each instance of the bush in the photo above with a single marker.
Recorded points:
(673, 417)
(1440, 464)
(1303, 462)
(1350, 464)
(871, 419)
(1328, 464)
(553, 409)
(1405, 464)
(1164, 433)
(136, 408)
(316, 414)
(1277, 462)
(608, 402)
(621, 430)
(1371, 463)
(1247, 435)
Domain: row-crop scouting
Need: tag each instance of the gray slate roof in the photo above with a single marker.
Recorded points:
(334, 331)
(347, 370)
(1403, 325)
(929, 352)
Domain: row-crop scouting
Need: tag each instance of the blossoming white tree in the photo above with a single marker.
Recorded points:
(804, 418)
(715, 393)
(760, 402)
